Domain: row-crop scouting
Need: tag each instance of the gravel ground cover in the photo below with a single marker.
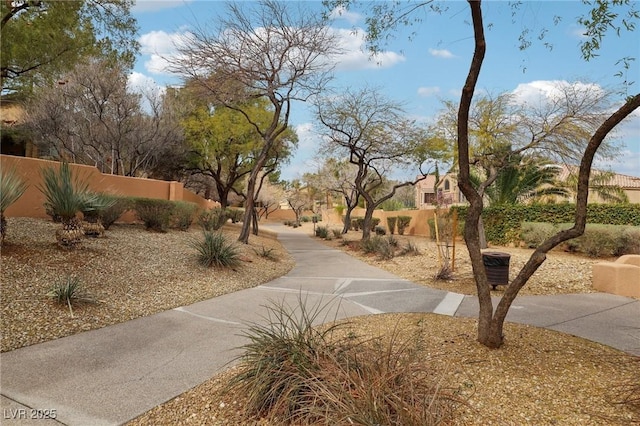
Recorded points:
(539, 377)
(130, 272)
(561, 273)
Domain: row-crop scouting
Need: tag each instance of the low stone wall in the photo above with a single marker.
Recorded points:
(621, 277)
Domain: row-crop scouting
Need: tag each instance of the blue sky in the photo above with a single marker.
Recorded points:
(422, 70)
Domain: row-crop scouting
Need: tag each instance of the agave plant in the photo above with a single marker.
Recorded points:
(65, 197)
(11, 188)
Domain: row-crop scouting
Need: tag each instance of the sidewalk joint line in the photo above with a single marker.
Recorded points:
(590, 314)
(181, 309)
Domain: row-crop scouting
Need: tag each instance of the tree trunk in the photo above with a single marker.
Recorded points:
(366, 224)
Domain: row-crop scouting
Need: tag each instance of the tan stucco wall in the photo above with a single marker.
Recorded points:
(31, 203)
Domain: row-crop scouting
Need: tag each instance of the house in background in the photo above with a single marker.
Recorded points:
(448, 193)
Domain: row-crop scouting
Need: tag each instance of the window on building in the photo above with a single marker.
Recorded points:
(428, 198)
(447, 186)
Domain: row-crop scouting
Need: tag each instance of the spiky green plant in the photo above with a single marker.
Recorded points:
(68, 290)
(66, 196)
(11, 188)
(215, 250)
(267, 253)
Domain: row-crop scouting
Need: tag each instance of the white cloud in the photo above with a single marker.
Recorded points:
(356, 56)
(441, 53)
(139, 83)
(428, 91)
(142, 6)
(160, 47)
(341, 12)
(540, 91)
(307, 138)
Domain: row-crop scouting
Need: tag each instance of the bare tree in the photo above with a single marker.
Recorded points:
(338, 177)
(602, 17)
(268, 50)
(490, 321)
(298, 198)
(90, 117)
(373, 134)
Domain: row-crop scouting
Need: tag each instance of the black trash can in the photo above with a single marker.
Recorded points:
(496, 265)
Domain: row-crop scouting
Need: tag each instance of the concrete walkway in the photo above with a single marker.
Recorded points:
(112, 375)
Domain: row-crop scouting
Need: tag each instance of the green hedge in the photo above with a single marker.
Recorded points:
(502, 224)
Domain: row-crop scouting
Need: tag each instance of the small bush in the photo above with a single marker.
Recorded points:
(393, 242)
(215, 250)
(322, 232)
(403, 223)
(305, 219)
(533, 234)
(337, 233)
(445, 273)
(378, 246)
(379, 230)
(68, 291)
(154, 213)
(109, 215)
(236, 215)
(213, 219)
(267, 253)
(391, 224)
(294, 373)
(411, 249)
(183, 215)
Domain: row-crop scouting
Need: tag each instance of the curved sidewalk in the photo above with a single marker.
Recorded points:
(111, 375)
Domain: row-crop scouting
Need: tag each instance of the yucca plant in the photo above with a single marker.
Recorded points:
(66, 196)
(215, 250)
(68, 290)
(11, 188)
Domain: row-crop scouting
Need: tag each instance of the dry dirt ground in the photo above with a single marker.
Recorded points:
(539, 377)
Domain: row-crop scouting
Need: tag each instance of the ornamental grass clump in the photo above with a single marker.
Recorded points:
(295, 371)
(215, 251)
(69, 291)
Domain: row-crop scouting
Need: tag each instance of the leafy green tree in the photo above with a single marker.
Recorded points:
(599, 184)
(42, 39)
(222, 144)
(525, 180)
(264, 50)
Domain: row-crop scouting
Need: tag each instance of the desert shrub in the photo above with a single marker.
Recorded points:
(378, 246)
(629, 241)
(213, 219)
(403, 223)
(533, 234)
(322, 232)
(379, 230)
(294, 373)
(235, 215)
(317, 217)
(154, 213)
(337, 233)
(392, 205)
(393, 241)
(267, 253)
(214, 250)
(445, 273)
(305, 219)
(109, 215)
(183, 215)
(391, 224)
(281, 358)
(375, 221)
(411, 249)
(69, 291)
(601, 241)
